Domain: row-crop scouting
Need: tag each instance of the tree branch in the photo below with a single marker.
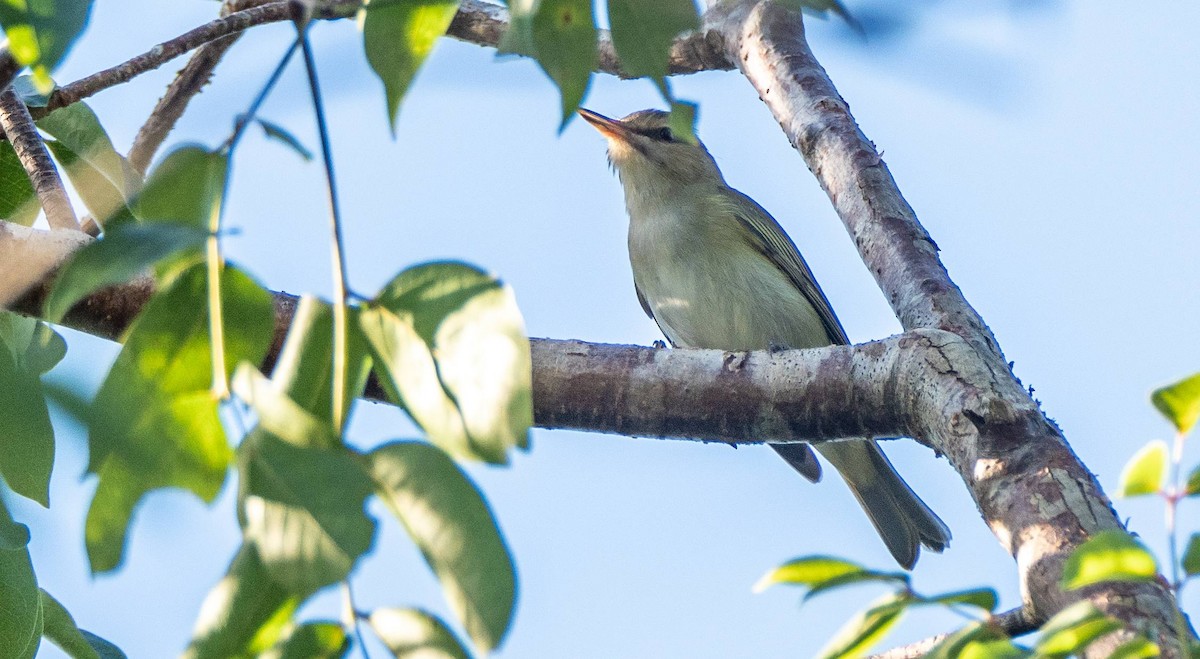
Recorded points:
(483, 24)
(31, 151)
(1039, 499)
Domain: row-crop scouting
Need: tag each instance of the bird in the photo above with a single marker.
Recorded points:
(714, 270)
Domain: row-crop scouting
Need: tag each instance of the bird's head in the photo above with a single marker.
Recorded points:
(645, 152)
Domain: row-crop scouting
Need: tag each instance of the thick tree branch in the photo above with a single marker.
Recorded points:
(1039, 499)
(31, 151)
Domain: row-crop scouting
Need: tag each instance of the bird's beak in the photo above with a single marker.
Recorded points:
(610, 128)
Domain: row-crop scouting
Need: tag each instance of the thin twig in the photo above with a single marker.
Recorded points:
(340, 285)
(1016, 622)
(31, 151)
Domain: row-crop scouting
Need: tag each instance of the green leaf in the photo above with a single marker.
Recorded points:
(185, 188)
(1191, 556)
(313, 640)
(18, 204)
(449, 520)
(305, 367)
(41, 31)
(451, 348)
(154, 422)
(124, 252)
(1072, 629)
(642, 32)
(1193, 482)
(982, 598)
(245, 614)
(276, 132)
(564, 41)
(280, 415)
(1110, 555)
(104, 178)
(1145, 471)
(21, 622)
(1137, 648)
(821, 573)
(977, 640)
(821, 8)
(416, 634)
(397, 37)
(303, 510)
(60, 629)
(866, 628)
(34, 345)
(682, 121)
(102, 199)
(26, 436)
(1180, 402)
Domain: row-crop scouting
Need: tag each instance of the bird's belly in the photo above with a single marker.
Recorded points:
(737, 300)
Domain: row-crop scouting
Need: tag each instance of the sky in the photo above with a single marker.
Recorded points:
(1048, 147)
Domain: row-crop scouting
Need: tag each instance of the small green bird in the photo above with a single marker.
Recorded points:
(715, 270)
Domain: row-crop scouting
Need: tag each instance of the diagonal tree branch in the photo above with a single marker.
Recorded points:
(1039, 499)
(31, 151)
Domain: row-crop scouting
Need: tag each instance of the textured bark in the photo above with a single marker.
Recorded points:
(31, 151)
(1038, 498)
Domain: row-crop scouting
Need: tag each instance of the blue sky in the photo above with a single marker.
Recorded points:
(1048, 148)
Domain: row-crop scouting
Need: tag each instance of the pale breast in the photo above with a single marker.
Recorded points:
(708, 288)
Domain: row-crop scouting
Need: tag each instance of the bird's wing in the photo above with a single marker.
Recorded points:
(769, 239)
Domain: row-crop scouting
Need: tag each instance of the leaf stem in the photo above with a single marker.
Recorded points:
(340, 285)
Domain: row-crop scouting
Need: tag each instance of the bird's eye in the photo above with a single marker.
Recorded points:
(664, 134)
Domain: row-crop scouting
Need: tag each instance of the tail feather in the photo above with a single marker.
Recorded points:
(903, 521)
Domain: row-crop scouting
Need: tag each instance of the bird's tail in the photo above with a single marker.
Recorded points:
(901, 518)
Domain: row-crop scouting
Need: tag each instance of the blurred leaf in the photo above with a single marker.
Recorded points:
(1191, 556)
(34, 345)
(26, 436)
(1137, 648)
(977, 640)
(279, 133)
(821, 8)
(1180, 402)
(21, 622)
(77, 129)
(1110, 555)
(17, 202)
(305, 366)
(102, 198)
(280, 415)
(1145, 471)
(124, 252)
(1072, 629)
(565, 42)
(154, 421)
(303, 507)
(866, 628)
(416, 634)
(449, 520)
(185, 188)
(398, 36)
(312, 640)
(642, 32)
(451, 348)
(682, 121)
(822, 573)
(982, 598)
(1193, 482)
(60, 629)
(41, 31)
(245, 614)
